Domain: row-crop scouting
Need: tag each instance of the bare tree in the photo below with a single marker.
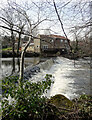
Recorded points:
(61, 23)
(42, 11)
(7, 19)
(31, 25)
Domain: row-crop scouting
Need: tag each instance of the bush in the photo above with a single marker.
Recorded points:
(25, 102)
(28, 102)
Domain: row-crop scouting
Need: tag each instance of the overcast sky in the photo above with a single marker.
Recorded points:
(67, 16)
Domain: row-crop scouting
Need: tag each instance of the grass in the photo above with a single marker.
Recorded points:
(6, 49)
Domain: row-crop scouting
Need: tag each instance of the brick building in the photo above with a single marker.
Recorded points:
(48, 43)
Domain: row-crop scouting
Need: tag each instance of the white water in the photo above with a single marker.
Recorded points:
(68, 80)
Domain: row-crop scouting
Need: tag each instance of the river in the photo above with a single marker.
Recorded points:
(69, 80)
(6, 64)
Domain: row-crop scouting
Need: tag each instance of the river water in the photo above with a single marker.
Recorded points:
(69, 80)
(6, 64)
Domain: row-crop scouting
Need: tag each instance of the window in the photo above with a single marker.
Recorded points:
(61, 40)
(45, 46)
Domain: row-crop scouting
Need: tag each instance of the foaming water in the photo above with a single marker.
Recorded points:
(69, 80)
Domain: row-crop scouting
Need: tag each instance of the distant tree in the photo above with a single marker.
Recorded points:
(6, 41)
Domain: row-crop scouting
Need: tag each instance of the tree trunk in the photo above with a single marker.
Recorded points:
(18, 60)
(18, 44)
(76, 44)
(13, 51)
(22, 61)
(21, 67)
(62, 27)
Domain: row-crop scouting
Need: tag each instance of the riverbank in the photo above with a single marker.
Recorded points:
(7, 54)
(37, 106)
(64, 109)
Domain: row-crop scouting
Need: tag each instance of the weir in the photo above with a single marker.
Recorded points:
(69, 80)
(32, 70)
(46, 65)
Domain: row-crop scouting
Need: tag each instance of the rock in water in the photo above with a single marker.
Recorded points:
(61, 101)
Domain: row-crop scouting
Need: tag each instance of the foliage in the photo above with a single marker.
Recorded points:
(82, 108)
(85, 106)
(25, 102)
(77, 109)
(6, 49)
(83, 48)
(29, 102)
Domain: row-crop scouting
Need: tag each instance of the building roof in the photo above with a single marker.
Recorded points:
(58, 36)
(55, 36)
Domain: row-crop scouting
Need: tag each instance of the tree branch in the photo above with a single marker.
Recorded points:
(61, 23)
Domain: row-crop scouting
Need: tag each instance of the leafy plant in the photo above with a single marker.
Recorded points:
(26, 101)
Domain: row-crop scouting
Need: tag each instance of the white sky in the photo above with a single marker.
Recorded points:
(56, 26)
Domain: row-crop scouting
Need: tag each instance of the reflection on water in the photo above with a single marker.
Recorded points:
(6, 66)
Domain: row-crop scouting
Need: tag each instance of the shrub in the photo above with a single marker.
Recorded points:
(25, 102)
